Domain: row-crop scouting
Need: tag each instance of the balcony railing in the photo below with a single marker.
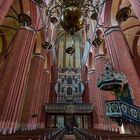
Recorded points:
(117, 109)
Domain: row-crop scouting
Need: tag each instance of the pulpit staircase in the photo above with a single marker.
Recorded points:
(121, 112)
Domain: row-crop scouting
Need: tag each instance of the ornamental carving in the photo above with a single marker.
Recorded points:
(69, 87)
(110, 80)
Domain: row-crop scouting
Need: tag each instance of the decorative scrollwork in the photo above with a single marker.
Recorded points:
(114, 107)
(134, 112)
(124, 108)
(109, 80)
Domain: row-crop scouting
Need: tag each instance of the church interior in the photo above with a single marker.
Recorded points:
(69, 69)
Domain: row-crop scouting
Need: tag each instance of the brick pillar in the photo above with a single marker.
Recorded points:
(85, 94)
(121, 59)
(12, 82)
(34, 93)
(100, 95)
(136, 6)
(45, 89)
(4, 7)
(92, 86)
(43, 97)
(93, 92)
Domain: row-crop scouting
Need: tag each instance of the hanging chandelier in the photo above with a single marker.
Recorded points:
(70, 14)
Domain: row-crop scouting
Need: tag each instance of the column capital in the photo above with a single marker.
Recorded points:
(38, 55)
(92, 71)
(99, 56)
(111, 29)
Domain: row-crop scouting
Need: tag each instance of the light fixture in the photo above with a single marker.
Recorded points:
(72, 19)
(70, 14)
(53, 20)
(123, 14)
(24, 19)
(46, 45)
(97, 41)
(70, 50)
(94, 15)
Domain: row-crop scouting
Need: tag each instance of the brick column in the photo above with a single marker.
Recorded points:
(93, 92)
(45, 90)
(32, 104)
(4, 7)
(136, 6)
(121, 59)
(92, 86)
(12, 82)
(99, 95)
(102, 96)
(85, 94)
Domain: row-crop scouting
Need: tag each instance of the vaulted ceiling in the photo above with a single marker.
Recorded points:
(131, 29)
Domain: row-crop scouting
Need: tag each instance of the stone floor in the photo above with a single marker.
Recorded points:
(69, 137)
